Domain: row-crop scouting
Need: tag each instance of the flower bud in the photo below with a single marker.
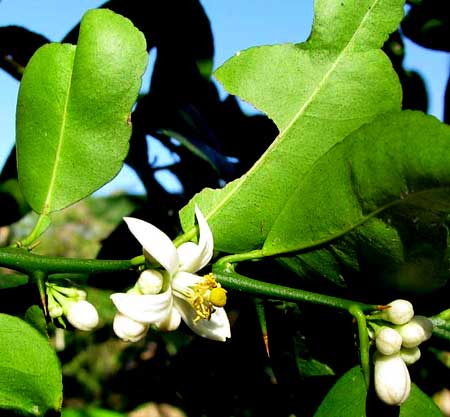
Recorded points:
(388, 341)
(392, 380)
(128, 329)
(416, 331)
(55, 310)
(150, 282)
(410, 355)
(398, 312)
(81, 314)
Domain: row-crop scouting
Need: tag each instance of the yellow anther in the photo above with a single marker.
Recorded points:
(218, 297)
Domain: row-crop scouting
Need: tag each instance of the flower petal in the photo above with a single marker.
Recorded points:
(193, 257)
(128, 329)
(145, 308)
(172, 321)
(155, 242)
(216, 328)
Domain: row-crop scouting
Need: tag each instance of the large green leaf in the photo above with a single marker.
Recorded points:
(73, 111)
(317, 92)
(30, 374)
(400, 161)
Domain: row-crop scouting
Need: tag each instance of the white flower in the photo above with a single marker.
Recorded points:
(398, 312)
(392, 380)
(81, 314)
(416, 331)
(388, 341)
(183, 295)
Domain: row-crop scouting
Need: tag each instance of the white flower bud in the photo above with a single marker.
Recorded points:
(410, 355)
(392, 380)
(150, 282)
(388, 341)
(81, 314)
(128, 329)
(55, 310)
(416, 331)
(398, 312)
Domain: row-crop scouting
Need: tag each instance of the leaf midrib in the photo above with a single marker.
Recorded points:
(46, 209)
(303, 108)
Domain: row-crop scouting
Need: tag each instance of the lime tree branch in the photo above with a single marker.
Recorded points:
(23, 261)
(226, 275)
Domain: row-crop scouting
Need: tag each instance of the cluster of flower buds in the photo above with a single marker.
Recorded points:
(71, 302)
(398, 334)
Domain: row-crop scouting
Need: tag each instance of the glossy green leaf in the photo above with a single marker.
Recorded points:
(30, 373)
(399, 161)
(347, 398)
(73, 111)
(317, 92)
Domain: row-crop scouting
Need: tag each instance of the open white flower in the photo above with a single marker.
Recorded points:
(183, 295)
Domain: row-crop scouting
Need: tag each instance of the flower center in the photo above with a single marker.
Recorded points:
(206, 295)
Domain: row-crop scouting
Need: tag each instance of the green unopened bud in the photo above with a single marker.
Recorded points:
(392, 380)
(418, 330)
(398, 312)
(410, 355)
(388, 341)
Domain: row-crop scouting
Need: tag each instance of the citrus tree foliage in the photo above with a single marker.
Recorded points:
(335, 202)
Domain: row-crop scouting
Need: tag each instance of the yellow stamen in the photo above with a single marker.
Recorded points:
(206, 295)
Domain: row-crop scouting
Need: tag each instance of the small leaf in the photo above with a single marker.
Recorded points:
(347, 398)
(73, 111)
(12, 280)
(30, 373)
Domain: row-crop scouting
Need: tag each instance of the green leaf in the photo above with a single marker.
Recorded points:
(419, 404)
(317, 93)
(347, 398)
(12, 280)
(30, 373)
(73, 111)
(399, 161)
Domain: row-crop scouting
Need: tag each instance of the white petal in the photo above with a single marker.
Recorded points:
(128, 329)
(217, 328)
(155, 242)
(145, 308)
(183, 281)
(172, 321)
(193, 257)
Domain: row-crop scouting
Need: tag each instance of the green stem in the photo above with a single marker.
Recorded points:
(226, 275)
(42, 224)
(26, 262)
(240, 257)
(364, 344)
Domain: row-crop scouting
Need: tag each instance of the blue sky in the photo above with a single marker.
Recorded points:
(236, 25)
